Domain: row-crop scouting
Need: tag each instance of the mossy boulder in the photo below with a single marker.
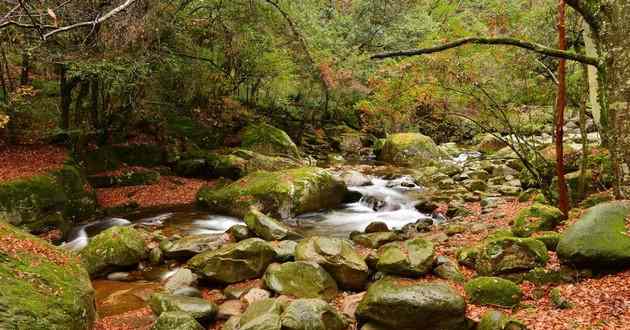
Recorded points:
(599, 238)
(538, 217)
(176, 321)
(375, 240)
(191, 245)
(411, 258)
(495, 320)
(268, 140)
(489, 143)
(467, 256)
(338, 257)
(493, 291)
(42, 287)
(312, 314)
(280, 194)
(254, 161)
(447, 269)
(267, 227)
(510, 254)
(234, 262)
(549, 238)
(198, 308)
(261, 315)
(406, 305)
(300, 279)
(114, 248)
(410, 149)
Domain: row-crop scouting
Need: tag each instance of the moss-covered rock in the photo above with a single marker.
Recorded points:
(268, 140)
(375, 240)
(410, 149)
(198, 308)
(267, 227)
(42, 287)
(495, 320)
(447, 269)
(280, 194)
(312, 314)
(538, 217)
(412, 258)
(599, 238)
(261, 315)
(467, 256)
(549, 238)
(113, 248)
(405, 305)
(300, 279)
(493, 291)
(339, 259)
(176, 321)
(510, 254)
(489, 143)
(188, 246)
(234, 262)
(135, 177)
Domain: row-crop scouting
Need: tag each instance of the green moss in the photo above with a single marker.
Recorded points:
(300, 279)
(115, 247)
(410, 149)
(268, 140)
(537, 217)
(549, 238)
(127, 178)
(38, 293)
(495, 320)
(493, 291)
(510, 254)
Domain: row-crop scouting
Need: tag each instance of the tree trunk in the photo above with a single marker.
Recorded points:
(26, 66)
(563, 198)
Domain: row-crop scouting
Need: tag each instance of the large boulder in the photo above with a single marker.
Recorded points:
(410, 149)
(493, 291)
(268, 140)
(599, 238)
(300, 279)
(282, 194)
(538, 217)
(198, 308)
(312, 314)
(234, 262)
(261, 315)
(114, 248)
(267, 227)
(338, 257)
(413, 257)
(505, 255)
(41, 286)
(407, 305)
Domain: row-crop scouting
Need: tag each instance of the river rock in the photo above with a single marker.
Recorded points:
(312, 314)
(191, 245)
(338, 257)
(268, 140)
(113, 248)
(447, 269)
(355, 179)
(254, 295)
(234, 262)
(410, 149)
(239, 232)
(489, 143)
(493, 291)
(285, 250)
(180, 279)
(198, 308)
(301, 279)
(267, 227)
(31, 270)
(376, 227)
(261, 315)
(281, 194)
(599, 238)
(510, 254)
(375, 240)
(538, 217)
(176, 321)
(495, 320)
(413, 257)
(405, 305)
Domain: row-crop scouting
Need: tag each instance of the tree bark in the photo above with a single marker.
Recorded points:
(561, 102)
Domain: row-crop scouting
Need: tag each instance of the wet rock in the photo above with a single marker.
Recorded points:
(234, 262)
(114, 248)
(191, 245)
(399, 304)
(229, 308)
(176, 321)
(413, 257)
(376, 227)
(254, 295)
(426, 206)
(119, 276)
(510, 254)
(339, 259)
(599, 238)
(187, 291)
(375, 240)
(281, 194)
(352, 196)
(180, 279)
(267, 227)
(493, 291)
(300, 279)
(495, 320)
(447, 269)
(268, 140)
(355, 179)
(261, 315)
(410, 149)
(312, 314)
(424, 224)
(285, 250)
(198, 308)
(239, 232)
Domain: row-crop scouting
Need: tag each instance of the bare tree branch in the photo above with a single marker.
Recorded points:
(494, 41)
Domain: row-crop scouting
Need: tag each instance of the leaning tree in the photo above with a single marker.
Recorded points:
(608, 55)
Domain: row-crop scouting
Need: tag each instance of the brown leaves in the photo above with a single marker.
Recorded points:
(25, 161)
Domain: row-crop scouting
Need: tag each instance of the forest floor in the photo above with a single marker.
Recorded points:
(19, 162)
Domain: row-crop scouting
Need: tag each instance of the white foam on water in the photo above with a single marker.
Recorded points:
(157, 220)
(214, 224)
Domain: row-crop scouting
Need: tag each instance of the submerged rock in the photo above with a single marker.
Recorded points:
(413, 257)
(338, 257)
(281, 194)
(300, 279)
(312, 314)
(198, 308)
(267, 227)
(410, 149)
(113, 248)
(510, 254)
(176, 321)
(493, 291)
(41, 286)
(404, 305)
(234, 262)
(599, 238)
